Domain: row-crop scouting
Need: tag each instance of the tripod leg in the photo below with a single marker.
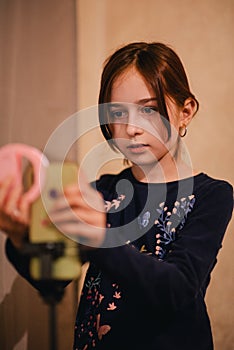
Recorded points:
(52, 320)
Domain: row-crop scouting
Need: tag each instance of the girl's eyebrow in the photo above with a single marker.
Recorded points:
(140, 102)
(146, 100)
(115, 104)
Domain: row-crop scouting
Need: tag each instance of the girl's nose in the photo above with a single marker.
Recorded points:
(133, 127)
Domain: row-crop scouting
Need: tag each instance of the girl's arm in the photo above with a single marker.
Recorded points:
(14, 212)
(184, 274)
(80, 214)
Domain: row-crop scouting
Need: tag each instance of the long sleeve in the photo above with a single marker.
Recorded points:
(175, 281)
(47, 289)
(150, 289)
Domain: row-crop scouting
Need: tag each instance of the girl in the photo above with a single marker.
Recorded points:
(153, 236)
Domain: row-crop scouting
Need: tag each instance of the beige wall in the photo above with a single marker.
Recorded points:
(39, 55)
(37, 92)
(202, 33)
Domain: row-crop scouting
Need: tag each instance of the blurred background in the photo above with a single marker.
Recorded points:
(51, 58)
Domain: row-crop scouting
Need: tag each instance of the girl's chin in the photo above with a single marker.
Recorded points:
(142, 162)
(141, 158)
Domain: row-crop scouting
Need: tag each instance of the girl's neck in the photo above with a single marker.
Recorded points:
(163, 171)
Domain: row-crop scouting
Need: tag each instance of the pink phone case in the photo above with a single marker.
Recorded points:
(11, 156)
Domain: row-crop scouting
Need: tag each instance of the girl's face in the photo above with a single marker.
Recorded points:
(137, 128)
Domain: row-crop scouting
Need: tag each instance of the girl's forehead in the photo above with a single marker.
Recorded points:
(130, 86)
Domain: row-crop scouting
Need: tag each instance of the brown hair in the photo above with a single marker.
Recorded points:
(161, 68)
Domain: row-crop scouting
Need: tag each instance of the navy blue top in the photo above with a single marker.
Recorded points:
(145, 287)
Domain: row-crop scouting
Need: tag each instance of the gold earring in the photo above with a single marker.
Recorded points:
(126, 162)
(182, 131)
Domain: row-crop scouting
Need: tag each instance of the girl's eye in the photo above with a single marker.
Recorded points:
(148, 110)
(118, 114)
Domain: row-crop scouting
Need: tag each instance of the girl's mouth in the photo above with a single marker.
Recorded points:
(137, 147)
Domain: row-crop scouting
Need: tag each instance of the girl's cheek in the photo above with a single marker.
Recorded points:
(118, 130)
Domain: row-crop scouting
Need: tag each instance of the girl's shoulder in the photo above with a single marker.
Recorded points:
(107, 182)
(213, 195)
(205, 184)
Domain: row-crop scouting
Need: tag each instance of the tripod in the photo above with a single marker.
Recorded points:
(53, 290)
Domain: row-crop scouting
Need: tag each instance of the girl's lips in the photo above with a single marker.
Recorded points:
(137, 147)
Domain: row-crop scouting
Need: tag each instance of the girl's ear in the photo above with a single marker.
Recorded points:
(188, 111)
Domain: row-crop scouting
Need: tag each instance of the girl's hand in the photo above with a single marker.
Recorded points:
(14, 212)
(80, 213)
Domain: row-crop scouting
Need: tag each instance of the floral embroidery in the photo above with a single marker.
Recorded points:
(97, 314)
(144, 250)
(144, 220)
(114, 203)
(112, 306)
(170, 222)
(90, 331)
(87, 331)
(93, 282)
(117, 295)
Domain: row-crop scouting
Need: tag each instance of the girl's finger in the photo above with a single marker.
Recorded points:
(11, 204)
(76, 199)
(5, 188)
(91, 199)
(77, 215)
(93, 236)
(61, 203)
(83, 182)
(65, 214)
(24, 208)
